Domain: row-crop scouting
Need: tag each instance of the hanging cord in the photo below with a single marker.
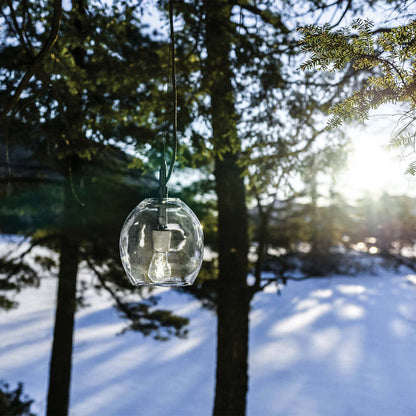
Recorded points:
(164, 174)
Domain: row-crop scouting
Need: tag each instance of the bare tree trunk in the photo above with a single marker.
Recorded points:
(315, 231)
(233, 297)
(264, 217)
(61, 357)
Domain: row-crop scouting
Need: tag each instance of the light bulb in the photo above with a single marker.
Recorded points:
(162, 244)
(159, 269)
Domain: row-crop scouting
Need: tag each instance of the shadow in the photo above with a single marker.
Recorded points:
(341, 345)
(115, 374)
(337, 345)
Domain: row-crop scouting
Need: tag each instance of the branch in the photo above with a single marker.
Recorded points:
(120, 304)
(34, 243)
(17, 29)
(50, 41)
(142, 319)
(273, 19)
(16, 263)
(349, 73)
(285, 278)
(343, 14)
(309, 142)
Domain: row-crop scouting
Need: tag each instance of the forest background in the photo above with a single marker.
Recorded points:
(85, 105)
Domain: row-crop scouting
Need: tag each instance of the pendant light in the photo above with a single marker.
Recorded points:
(161, 241)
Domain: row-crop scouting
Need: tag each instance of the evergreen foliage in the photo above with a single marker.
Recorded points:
(388, 55)
(14, 402)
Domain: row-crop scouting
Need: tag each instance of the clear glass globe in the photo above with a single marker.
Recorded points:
(162, 244)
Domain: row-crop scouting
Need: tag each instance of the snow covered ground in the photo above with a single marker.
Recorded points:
(331, 346)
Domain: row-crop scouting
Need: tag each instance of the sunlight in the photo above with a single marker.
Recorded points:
(351, 312)
(276, 355)
(411, 279)
(371, 168)
(351, 289)
(180, 348)
(300, 320)
(400, 328)
(322, 293)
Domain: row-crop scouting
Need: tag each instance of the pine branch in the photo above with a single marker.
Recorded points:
(142, 318)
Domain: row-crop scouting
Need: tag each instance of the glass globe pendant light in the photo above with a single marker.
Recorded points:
(161, 241)
(162, 244)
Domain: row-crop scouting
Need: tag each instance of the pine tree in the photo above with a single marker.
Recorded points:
(100, 82)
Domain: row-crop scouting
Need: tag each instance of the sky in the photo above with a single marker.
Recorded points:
(371, 167)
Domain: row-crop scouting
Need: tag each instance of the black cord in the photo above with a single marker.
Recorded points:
(174, 90)
(164, 174)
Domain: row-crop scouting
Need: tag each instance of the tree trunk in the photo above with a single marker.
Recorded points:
(233, 297)
(315, 229)
(61, 357)
(264, 217)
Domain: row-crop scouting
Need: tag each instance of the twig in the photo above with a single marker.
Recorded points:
(17, 29)
(273, 19)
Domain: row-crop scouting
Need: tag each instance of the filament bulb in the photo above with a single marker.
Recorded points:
(161, 244)
(159, 269)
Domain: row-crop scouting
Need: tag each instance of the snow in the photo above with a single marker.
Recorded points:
(338, 345)
(326, 346)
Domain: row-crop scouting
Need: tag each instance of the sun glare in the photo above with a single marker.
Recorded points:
(372, 169)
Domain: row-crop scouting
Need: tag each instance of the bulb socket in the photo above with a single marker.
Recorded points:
(161, 241)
